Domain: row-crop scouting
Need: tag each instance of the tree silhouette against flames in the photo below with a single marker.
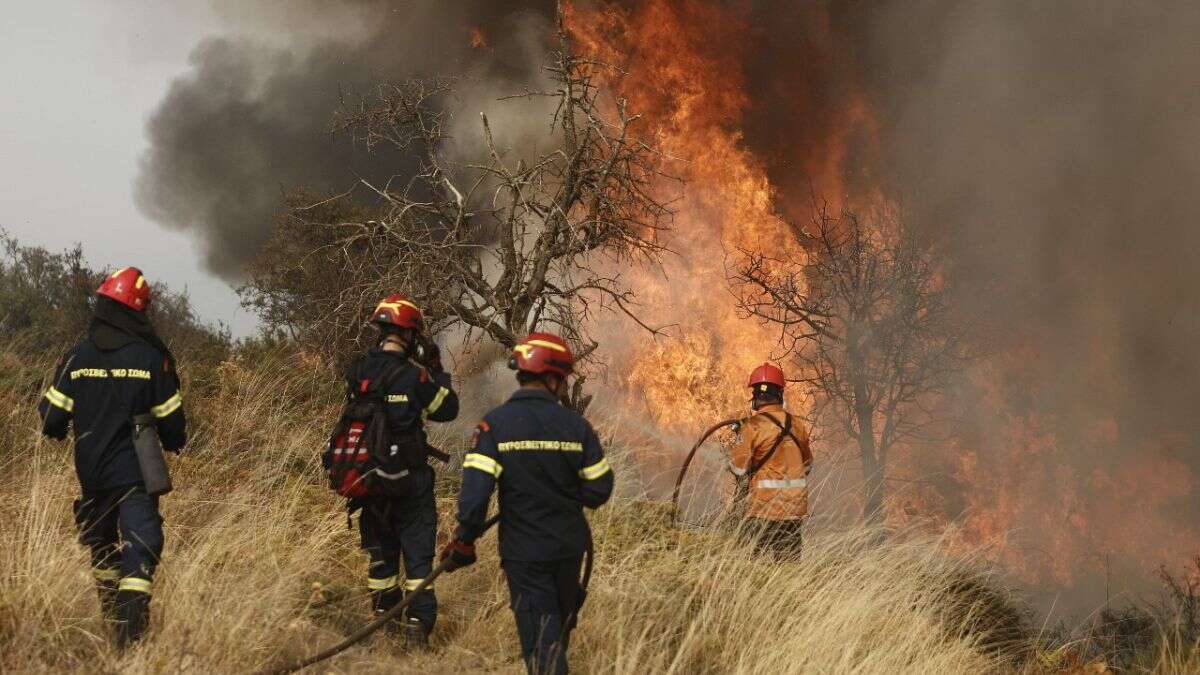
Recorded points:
(515, 240)
(866, 319)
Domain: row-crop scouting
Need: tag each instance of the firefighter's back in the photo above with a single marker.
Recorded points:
(122, 370)
(787, 460)
(540, 445)
(102, 391)
(547, 463)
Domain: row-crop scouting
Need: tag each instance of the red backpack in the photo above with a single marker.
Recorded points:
(362, 458)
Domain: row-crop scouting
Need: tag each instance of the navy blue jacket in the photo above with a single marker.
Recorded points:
(101, 392)
(415, 393)
(548, 464)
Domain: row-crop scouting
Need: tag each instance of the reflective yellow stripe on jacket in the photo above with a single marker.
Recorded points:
(595, 471)
(484, 463)
(60, 399)
(437, 400)
(168, 406)
(774, 484)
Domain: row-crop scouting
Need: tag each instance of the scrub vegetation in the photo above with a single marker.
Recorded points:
(260, 566)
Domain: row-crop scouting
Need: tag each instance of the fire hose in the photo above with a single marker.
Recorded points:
(362, 633)
(703, 438)
(687, 461)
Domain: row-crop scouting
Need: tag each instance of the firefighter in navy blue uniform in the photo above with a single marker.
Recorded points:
(405, 528)
(119, 370)
(548, 464)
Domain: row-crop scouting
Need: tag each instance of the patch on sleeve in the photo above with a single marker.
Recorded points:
(166, 365)
(482, 426)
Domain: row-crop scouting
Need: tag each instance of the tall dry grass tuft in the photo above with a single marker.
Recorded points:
(260, 567)
(706, 602)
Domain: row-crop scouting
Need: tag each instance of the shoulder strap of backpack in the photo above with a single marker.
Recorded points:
(785, 431)
(805, 451)
(378, 385)
(390, 372)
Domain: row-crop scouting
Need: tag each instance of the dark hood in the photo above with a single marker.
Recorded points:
(115, 325)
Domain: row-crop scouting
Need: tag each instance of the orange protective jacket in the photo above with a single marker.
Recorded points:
(779, 489)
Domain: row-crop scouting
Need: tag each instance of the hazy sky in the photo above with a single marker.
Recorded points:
(79, 78)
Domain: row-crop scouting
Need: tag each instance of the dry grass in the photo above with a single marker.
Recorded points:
(259, 567)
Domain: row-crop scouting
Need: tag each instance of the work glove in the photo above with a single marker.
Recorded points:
(433, 357)
(457, 555)
(429, 354)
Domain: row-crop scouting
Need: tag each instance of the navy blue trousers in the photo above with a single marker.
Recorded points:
(545, 597)
(402, 530)
(123, 530)
(784, 537)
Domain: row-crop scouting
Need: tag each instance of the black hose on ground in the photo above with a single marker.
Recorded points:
(362, 633)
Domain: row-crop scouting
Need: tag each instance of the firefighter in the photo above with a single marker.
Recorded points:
(773, 463)
(404, 528)
(548, 464)
(120, 369)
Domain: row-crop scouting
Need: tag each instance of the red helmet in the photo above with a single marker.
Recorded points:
(767, 373)
(542, 353)
(128, 287)
(400, 311)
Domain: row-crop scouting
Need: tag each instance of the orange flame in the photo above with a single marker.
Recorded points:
(690, 90)
(478, 38)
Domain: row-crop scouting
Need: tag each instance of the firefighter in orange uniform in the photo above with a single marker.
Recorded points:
(773, 460)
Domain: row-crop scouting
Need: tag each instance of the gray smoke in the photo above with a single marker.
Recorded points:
(1053, 150)
(1057, 146)
(251, 119)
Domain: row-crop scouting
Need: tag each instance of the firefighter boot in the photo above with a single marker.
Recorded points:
(133, 617)
(416, 636)
(382, 601)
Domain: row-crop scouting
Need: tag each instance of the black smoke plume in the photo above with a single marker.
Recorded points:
(251, 119)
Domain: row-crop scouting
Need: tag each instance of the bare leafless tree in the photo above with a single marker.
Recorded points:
(866, 318)
(514, 240)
